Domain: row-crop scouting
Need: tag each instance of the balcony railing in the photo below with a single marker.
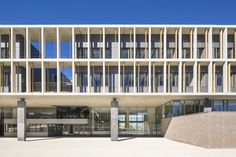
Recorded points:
(81, 89)
(66, 87)
(96, 89)
(157, 89)
(186, 53)
(51, 87)
(174, 89)
(96, 53)
(204, 89)
(127, 89)
(189, 89)
(82, 53)
(171, 53)
(126, 53)
(233, 88)
(219, 89)
(111, 89)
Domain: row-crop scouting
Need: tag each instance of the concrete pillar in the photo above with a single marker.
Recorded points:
(21, 118)
(114, 120)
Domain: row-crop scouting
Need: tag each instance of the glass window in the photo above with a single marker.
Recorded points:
(231, 105)
(218, 106)
(177, 108)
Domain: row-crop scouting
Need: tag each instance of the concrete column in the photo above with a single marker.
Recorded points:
(114, 120)
(210, 43)
(180, 43)
(165, 78)
(119, 90)
(225, 76)
(21, 118)
(195, 43)
(195, 77)
(164, 42)
(180, 77)
(225, 43)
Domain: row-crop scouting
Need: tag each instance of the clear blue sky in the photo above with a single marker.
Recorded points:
(118, 11)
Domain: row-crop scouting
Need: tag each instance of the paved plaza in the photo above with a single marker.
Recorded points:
(103, 147)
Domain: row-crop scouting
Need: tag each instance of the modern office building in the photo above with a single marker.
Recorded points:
(115, 80)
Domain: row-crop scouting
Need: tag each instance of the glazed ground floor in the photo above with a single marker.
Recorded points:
(124, 116)
(82, 121)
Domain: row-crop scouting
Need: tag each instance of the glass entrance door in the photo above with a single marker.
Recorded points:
(133, 122)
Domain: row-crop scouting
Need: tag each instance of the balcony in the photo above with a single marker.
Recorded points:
(201, 46)
(233, 78)
(157, 44)
(187, 44)
(216, 51)
(20, 46)
(81, 79)
(111, 79)
(81, 45)
(230, 46)
(218, 79)
(187, 82)
(96, 44)
(111, 44)
(5, 46)
(96, 79)
(66, 78)
(51, 80)
(172, 79)
(172, 46)
(142, 45)
(157, 79)
(127, 79)
(20, 79)
(216, 46)
(127, 43)
(204, 80)
(5, 77)
(142, 79)
(35, 71)
(35, 43)
(50, 44)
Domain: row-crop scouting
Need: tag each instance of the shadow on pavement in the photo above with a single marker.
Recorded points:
(125, 139)
(42, 139)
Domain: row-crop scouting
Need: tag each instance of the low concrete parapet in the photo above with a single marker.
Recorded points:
(210, 130)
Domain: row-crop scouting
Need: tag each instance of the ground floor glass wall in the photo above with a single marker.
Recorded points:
(90, 121)
(140, 121)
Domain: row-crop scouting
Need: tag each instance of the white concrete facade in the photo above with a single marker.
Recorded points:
(139, 65)
(148, 61)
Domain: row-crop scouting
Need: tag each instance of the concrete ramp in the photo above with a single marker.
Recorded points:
(210, 130)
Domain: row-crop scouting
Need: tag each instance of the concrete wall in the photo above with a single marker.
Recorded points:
(210, 130)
